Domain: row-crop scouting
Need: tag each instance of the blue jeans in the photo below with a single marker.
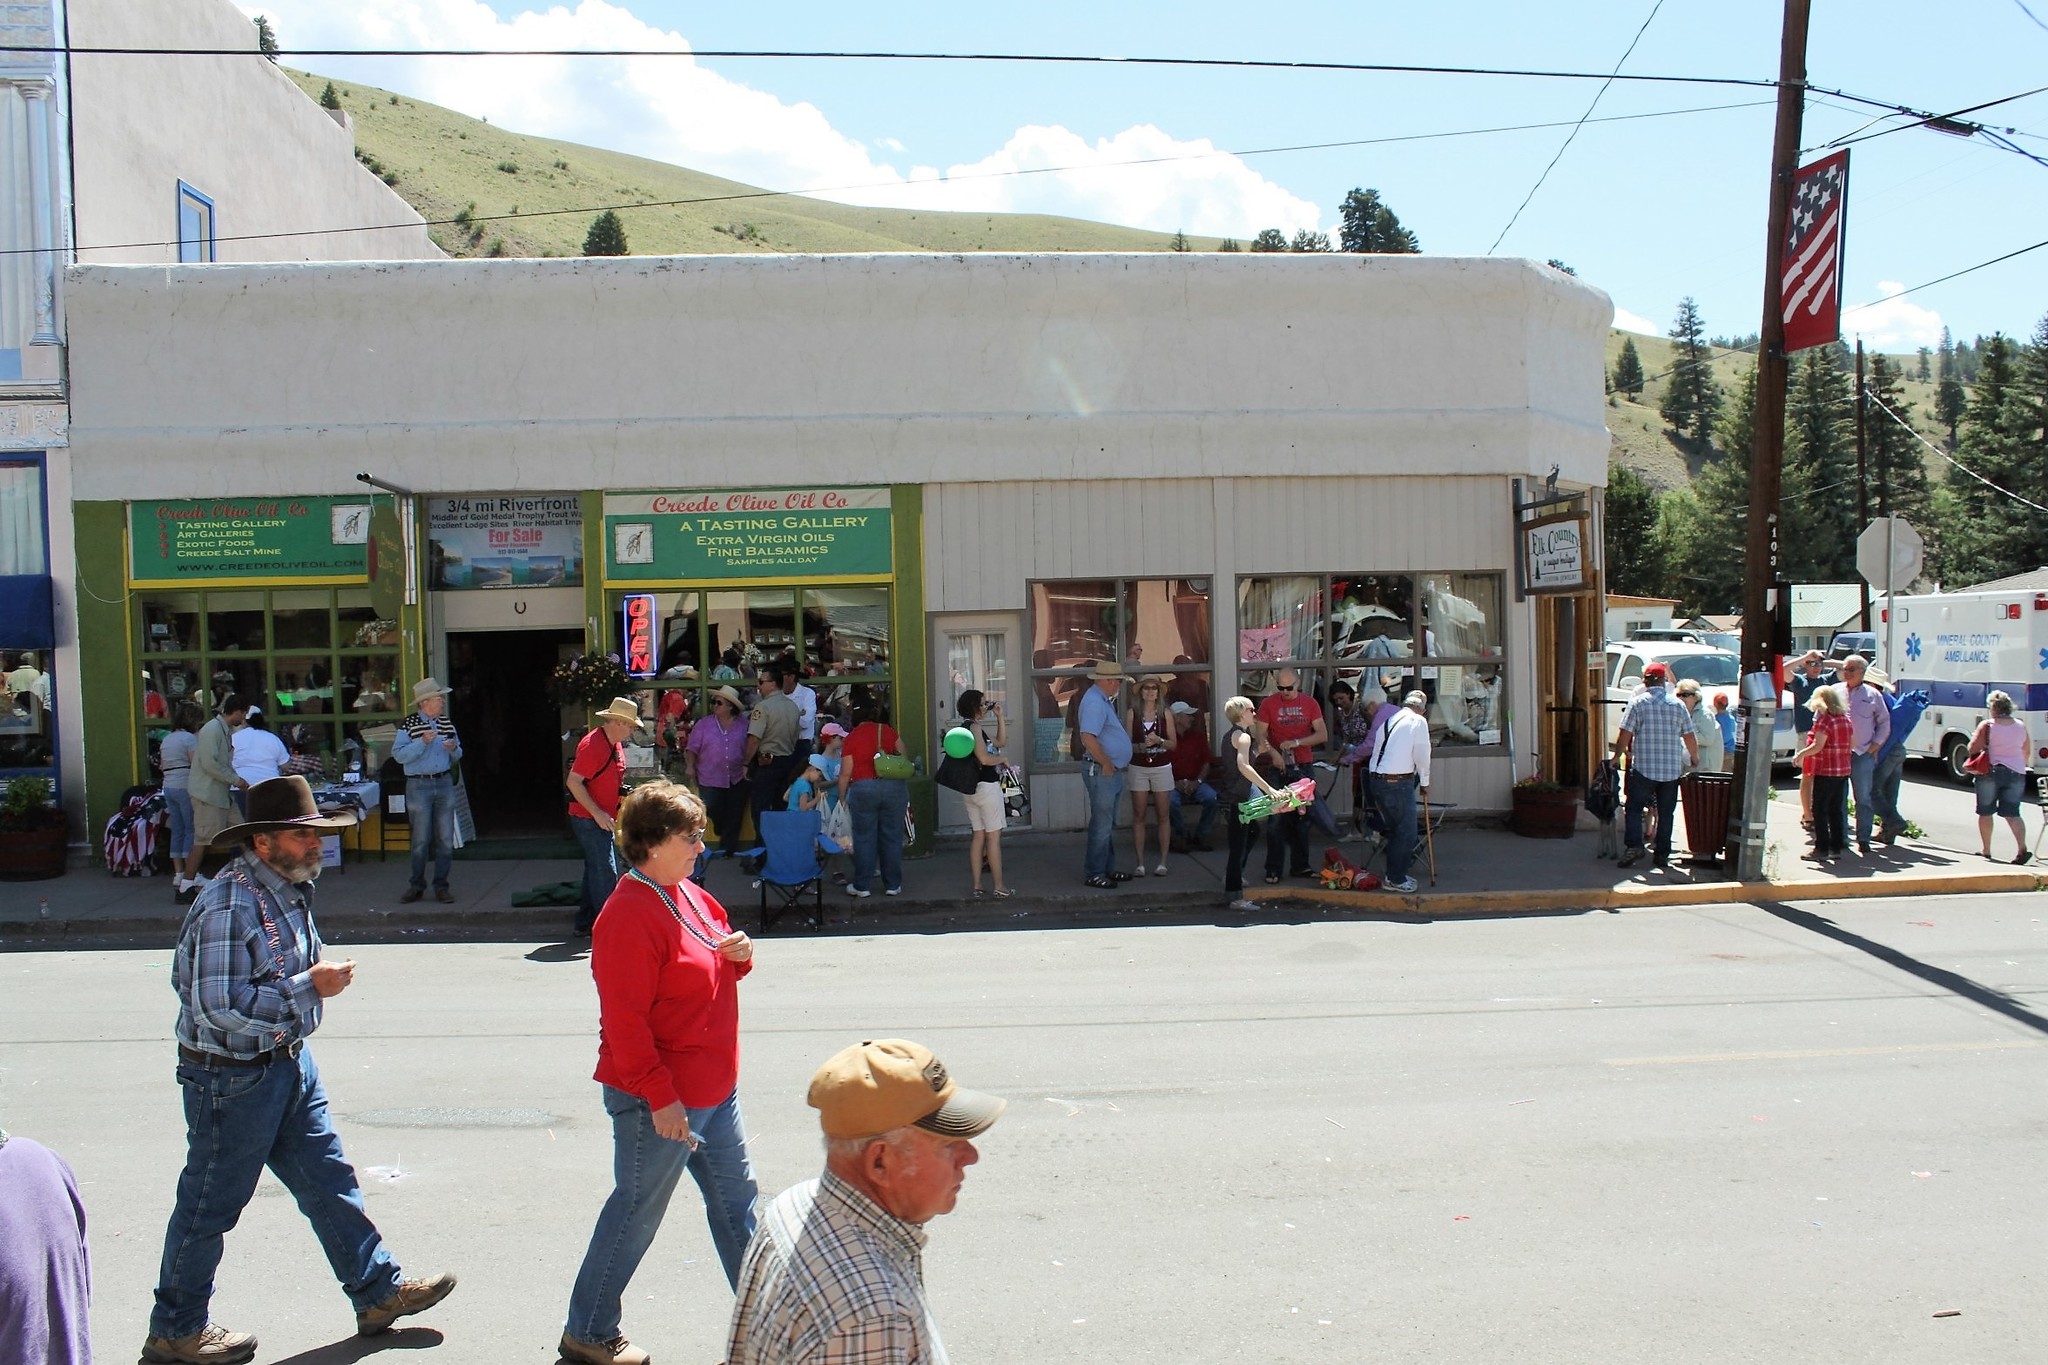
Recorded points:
(430, 805)
(1104, 791)
(1643, 792)
(178, 801)
(1205, 797)
(645, 1169)
(1884, 786)
(876, 806)
(237, 1121)
(1395, 798)
(1287, 834)
(600, 869)
(1862, 769)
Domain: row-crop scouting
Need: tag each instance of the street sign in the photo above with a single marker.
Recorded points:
(1890, 539)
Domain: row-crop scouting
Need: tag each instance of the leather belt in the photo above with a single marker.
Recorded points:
(288, 1052)
(1393, 777)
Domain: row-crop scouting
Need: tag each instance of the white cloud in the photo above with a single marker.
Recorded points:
(1893, 323)
(1636, 322)
(673, 109)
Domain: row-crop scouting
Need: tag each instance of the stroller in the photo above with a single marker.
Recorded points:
(793, 865)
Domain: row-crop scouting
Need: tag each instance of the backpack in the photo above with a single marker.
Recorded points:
(1075, 748)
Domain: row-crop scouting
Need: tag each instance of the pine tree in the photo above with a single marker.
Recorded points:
(1560, 266)
(266, 37)
(1306, 240)
(1692, 400)
(1229, 244)
(607, 236)
(1949, 399)
(1818, 540)
(1269, 239)
(328, 99)
(1628, 370)
(1179, 242)
(1633, 551)
(1366, 224)
(1923, 365)
(1893, 457)
(1994, 535)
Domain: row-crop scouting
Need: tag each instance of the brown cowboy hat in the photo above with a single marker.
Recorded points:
(282, 803)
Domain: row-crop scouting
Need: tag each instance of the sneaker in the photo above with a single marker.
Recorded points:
(893, 891)
(1630, 858)
(617, 1351)
(1405, 887)
(859, 893)
(1159, 871)
(212, 1344)
(444, 895)
(412, 1296)
(412, 893)
(1244, 906)
(1139, 871)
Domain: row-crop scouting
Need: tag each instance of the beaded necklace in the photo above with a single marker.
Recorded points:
(697, 926)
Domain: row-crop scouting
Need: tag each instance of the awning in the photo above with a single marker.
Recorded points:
(27, 620)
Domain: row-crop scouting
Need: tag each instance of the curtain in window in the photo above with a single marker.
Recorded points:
(21, 519)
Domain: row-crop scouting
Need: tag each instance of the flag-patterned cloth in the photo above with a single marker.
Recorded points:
(1811, 283)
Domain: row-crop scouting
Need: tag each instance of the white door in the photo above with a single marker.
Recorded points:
(976, 652)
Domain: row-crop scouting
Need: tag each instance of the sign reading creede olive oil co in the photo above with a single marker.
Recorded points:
(174, 543)
(818, 534)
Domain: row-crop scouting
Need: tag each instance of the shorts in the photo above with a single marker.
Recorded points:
(1806, 764)
(209, 820)
(985, 813)
(1998, 792)
(1138, 778)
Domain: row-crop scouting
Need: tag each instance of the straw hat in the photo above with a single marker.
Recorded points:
(427, 687)
(622, 708)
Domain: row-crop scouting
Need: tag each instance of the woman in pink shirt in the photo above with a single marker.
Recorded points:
(2004, 738)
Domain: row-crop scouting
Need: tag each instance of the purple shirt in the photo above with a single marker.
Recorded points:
(721, 753)
(45, 1277)
(1870, 720)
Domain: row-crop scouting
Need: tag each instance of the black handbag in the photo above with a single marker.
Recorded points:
(963, 775)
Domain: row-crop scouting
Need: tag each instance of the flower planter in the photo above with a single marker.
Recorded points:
(1544, 814)
(32, 855)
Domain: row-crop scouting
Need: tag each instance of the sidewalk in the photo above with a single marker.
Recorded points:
(1481, 869)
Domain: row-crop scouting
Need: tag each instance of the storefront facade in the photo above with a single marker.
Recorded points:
(917, 474)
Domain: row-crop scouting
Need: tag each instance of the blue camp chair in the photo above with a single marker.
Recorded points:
(793, 865)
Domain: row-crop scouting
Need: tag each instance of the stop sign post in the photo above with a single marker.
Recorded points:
(1889, 552)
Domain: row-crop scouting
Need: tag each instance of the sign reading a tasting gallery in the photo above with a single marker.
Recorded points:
(505, 540)
(811, 533)
(250, 539)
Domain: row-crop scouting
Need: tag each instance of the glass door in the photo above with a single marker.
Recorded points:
(975, 653)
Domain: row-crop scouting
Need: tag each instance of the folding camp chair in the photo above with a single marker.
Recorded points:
(792, 865)
(1378, 832)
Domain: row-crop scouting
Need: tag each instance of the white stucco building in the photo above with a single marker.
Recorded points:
(919, 473)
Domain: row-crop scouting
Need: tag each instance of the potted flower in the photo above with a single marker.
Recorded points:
(32, 832)
(588, 680)
(1544, 810)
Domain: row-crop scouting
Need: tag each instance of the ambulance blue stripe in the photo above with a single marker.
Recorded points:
(2025, 696)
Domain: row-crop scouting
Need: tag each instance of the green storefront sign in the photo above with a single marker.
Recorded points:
(816, 534)
(251, 540)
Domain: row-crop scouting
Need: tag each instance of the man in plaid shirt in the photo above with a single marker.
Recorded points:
(1657, 740)
(834, 1275)
(251, 984)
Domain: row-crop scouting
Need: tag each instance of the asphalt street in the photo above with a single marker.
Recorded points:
(1734, 1133)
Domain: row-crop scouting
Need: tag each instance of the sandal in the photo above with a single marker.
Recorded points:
(978, 893)
(1003, 893)
(1272, 881)
(1103, 882)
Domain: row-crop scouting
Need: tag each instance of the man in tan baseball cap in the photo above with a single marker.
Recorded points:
(834, 1269)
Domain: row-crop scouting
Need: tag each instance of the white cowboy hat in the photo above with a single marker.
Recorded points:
(622, 708)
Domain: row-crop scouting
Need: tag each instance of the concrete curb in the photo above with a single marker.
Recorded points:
(1436, 905)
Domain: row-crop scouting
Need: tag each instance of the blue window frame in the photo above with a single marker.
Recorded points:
(195, 225)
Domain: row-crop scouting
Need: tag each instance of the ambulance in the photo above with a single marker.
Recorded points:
(1958, 647)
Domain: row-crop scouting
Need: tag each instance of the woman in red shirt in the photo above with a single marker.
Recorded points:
(877, 804)
(1828, 744)
(668, 966)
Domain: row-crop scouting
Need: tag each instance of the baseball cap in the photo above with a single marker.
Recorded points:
(1181, 708)
(878, 1086)
(1656, 673)
(830, 728)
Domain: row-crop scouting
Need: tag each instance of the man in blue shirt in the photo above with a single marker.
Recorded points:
(251, 987)
(1657, 739)
(428, 749)
(1108, 750)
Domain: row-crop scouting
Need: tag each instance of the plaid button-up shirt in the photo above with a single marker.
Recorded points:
(1660, 723)
(240, 993)
(831, 1278)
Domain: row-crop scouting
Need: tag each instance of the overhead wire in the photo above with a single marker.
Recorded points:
(1886, 409)
(1568, 137)
(906, 184)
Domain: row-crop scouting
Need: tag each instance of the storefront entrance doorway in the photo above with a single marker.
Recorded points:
(511, 733)
(975, 652)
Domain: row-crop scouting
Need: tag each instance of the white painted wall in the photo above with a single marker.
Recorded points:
(235, 128)
(755, 370)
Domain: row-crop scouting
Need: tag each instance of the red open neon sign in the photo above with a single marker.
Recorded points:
(637, 629)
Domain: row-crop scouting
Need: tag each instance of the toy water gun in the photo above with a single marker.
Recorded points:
(1294, 796)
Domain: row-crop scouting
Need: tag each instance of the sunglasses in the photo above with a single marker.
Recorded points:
(1287, 687)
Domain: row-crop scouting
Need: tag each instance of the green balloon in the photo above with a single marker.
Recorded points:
(960, 742)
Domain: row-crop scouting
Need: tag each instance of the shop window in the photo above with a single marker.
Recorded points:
(846, 630)
(302, 619)
(1437, 633)
(21, 518)
(28, 733)
(195, 225)
(1150, 625)
(234, 621)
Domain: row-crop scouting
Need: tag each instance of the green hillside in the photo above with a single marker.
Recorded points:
(447, 165)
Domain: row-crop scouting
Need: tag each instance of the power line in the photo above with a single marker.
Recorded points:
(1604, 87)
(1958, 274)
(1886, 409)
(1953, 118)
(904, 184)
(2029, 13)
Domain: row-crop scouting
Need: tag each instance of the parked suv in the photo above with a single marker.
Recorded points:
(1849, 642)
(1717, 671)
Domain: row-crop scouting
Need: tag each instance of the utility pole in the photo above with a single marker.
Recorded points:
(1862, 480)
(1761, 562)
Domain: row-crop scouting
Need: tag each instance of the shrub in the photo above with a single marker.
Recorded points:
(497, 247)
(509, 167)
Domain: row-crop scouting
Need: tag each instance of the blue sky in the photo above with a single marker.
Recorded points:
(1649, 209)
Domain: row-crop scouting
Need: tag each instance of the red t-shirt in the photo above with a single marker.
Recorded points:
(668, 1005)
(858, 753)
(1832, 761)
(1190, 753)
(600, 763)
(1290, 716)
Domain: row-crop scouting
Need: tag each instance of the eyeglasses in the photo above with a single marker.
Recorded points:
(1287, 687)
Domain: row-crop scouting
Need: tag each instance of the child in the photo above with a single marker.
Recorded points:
(808, 791)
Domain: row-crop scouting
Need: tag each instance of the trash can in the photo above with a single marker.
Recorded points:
(1705, 797)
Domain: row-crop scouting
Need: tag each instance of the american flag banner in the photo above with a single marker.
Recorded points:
(1811, 285)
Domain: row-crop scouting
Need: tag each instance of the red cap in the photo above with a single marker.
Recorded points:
(1656, 673)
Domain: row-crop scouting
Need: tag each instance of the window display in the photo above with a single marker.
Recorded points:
(1149, 625)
